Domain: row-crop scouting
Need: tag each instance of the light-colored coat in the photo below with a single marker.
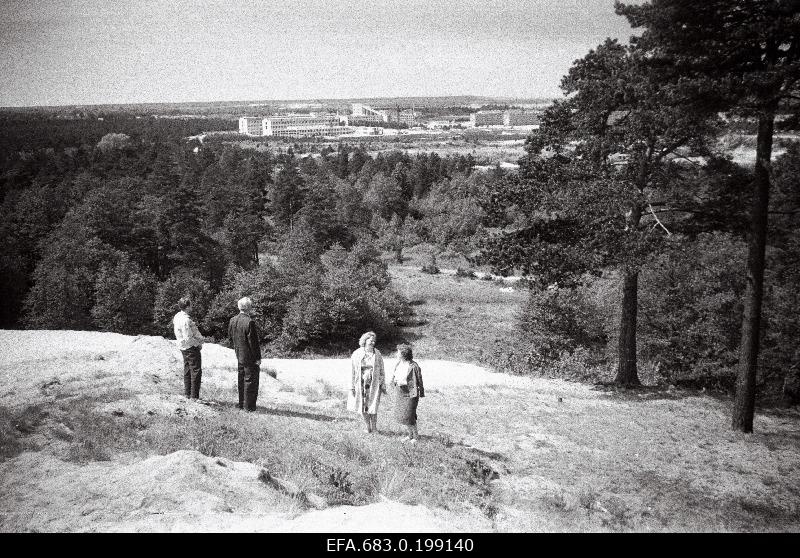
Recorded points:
(377, 387)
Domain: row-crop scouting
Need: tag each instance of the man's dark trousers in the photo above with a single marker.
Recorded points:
(248, 385)
(243, 333)
(192, 372)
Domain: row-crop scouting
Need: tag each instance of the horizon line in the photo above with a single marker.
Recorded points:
(307, 100)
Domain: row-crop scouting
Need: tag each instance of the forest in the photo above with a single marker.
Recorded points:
(642, 242)
(106, 230)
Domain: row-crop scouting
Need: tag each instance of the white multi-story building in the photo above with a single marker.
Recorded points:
(302, 125)
(487, 118)
(251, 126)
(504, 118)
(406, 117)
(294, 125)
(520, 118)
(366, 113)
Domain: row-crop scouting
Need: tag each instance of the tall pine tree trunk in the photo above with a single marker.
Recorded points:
(745, 399)
(627, 374)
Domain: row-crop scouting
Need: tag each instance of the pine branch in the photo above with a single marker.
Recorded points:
(658, 220)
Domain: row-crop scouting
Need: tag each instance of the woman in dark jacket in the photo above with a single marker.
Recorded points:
(408, 388)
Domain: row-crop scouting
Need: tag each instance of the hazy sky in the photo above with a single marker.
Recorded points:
(109, 51)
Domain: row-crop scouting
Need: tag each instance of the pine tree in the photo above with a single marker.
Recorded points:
(748, 52)
(578, 211)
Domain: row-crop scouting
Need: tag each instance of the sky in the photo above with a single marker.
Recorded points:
(66, 52)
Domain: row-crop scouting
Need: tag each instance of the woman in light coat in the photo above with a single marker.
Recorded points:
(367, 381)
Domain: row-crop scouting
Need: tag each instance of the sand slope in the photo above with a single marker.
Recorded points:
(570, 457)
(182, 491)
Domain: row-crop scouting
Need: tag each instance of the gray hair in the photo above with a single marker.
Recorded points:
(363, 340)
(245, 304)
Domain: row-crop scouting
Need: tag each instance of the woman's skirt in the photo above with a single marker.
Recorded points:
(405, 408)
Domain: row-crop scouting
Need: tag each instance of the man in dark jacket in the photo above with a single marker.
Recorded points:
(243, 333)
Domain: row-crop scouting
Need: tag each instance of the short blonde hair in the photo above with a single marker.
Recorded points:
(363, 340)
(245, 304)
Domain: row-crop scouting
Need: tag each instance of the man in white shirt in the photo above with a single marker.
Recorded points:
(189, 341)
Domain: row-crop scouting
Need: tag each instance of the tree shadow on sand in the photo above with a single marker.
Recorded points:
(643, 394)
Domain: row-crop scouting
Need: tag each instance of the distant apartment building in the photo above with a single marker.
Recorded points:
(251, 126)
(504, 118)
(521, 118)
(403, 117)
(366, 113)
(294, 125)
(303, 125)
(487, 118)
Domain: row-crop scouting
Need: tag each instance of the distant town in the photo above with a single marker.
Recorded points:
(364, 120)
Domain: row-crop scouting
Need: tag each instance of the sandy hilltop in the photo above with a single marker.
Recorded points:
(182, 491)
(563, 456)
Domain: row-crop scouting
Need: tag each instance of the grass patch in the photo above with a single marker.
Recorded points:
(331, 459)
(439, 330)
(555, 501)
(15, 426)
(321, 390)
(97, 436)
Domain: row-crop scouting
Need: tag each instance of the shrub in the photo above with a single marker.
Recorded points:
(315, 302)
(431, 266)
(269, 292)
(122, 291)
(560, 320)
(352, 295)
(560, 332)
(691, 311)
(307, 321)
(62, 295)
(170, 292)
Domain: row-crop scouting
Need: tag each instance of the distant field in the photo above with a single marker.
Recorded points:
(460, 319)
(742, 147)
(484, 152)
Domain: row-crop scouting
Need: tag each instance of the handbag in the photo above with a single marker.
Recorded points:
(351, 401)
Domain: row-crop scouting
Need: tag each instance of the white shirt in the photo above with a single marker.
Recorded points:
(186, 333)
(400, 375)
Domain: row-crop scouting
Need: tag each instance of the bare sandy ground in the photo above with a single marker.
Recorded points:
(183, 491)
(571, 457)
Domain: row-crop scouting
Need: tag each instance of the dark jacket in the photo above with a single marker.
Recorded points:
(243, 334)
